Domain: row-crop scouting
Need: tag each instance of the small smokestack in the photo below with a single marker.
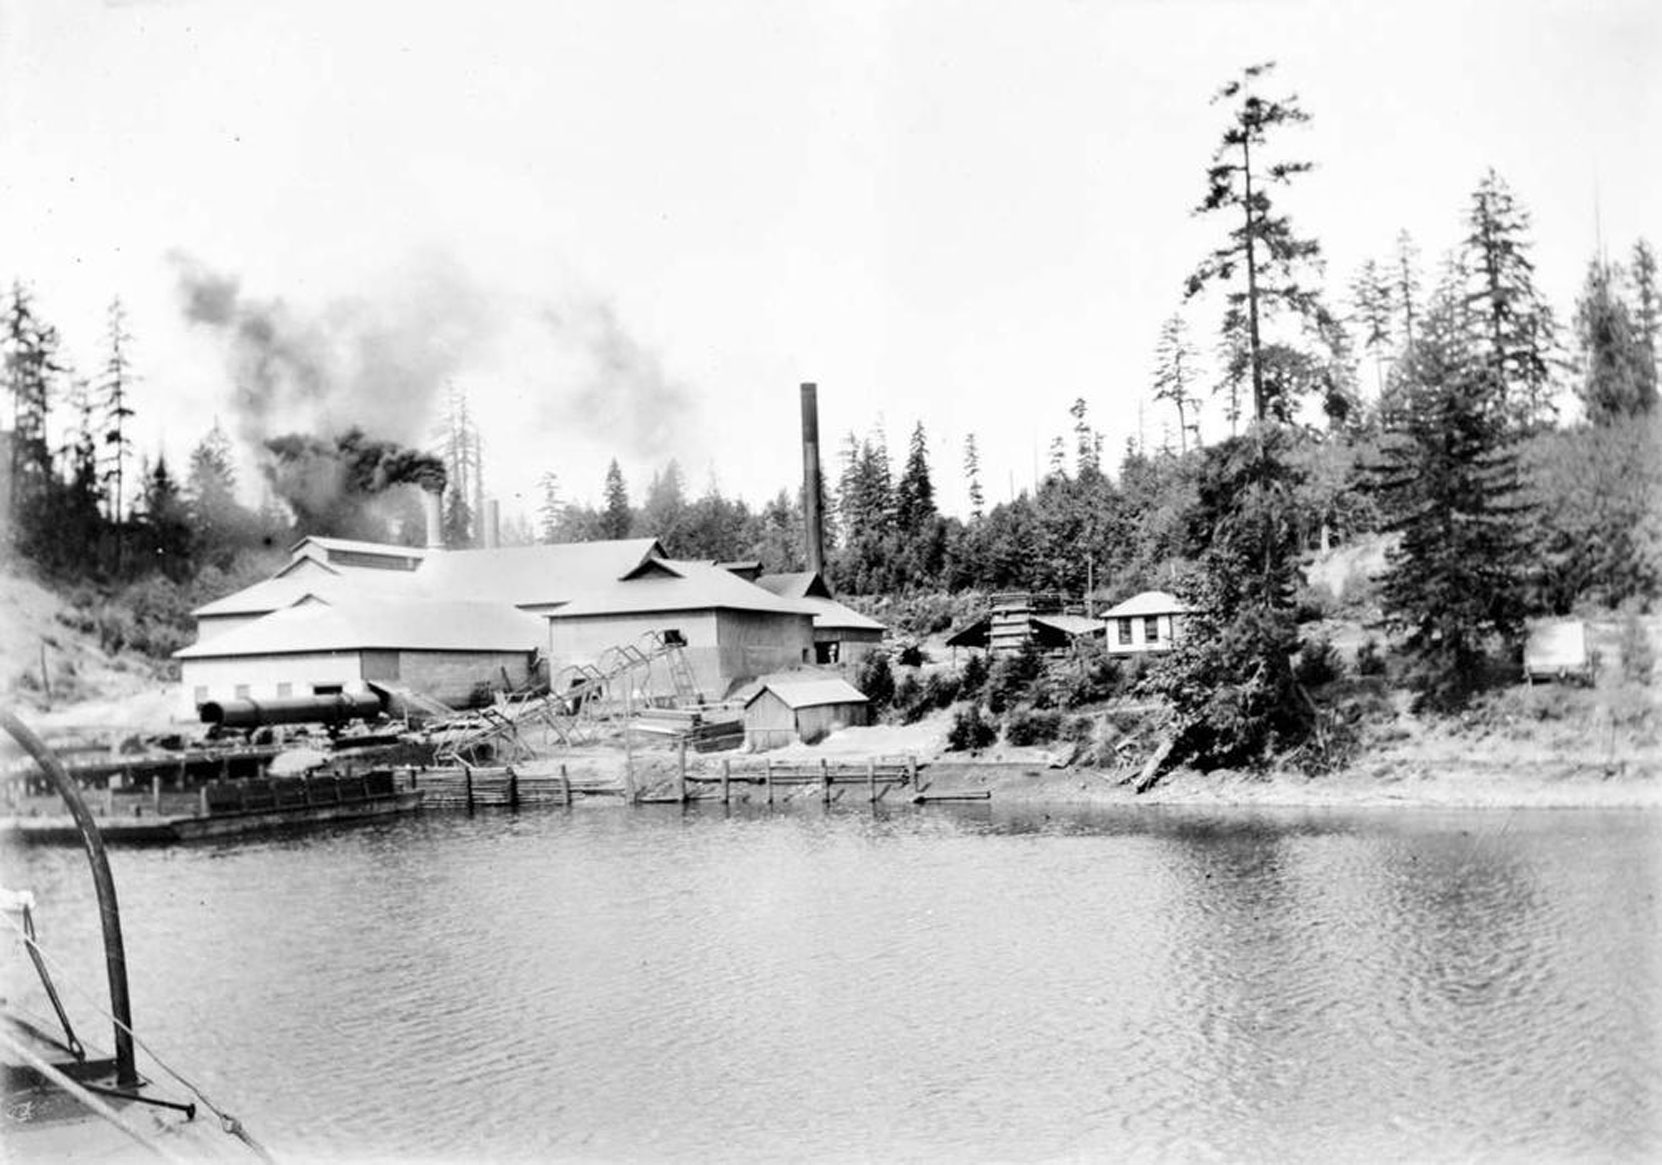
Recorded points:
(432, 506)
(493, 524)
(812, 519)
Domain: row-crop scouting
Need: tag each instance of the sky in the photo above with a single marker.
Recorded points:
(632, 228)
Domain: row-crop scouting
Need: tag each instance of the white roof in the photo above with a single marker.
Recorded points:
(367, 625)
(810, 693)
(675, 586)
(1148, 603)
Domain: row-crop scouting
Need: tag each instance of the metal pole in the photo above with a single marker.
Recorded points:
(115, 953)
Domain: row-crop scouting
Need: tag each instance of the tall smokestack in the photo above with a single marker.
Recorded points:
(431, 506)
(812, 519)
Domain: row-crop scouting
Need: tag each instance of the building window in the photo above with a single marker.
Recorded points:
(284, 691)
(673, 637)
(1124, 632)
(328, 689)
(242, 691)
(1151, 628)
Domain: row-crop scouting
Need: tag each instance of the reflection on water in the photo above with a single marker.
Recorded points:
(1137, 984)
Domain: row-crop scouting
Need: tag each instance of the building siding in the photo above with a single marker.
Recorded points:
(454, 677)
(1167, 627)
(753, 643)
(771, 723)
(584, 639)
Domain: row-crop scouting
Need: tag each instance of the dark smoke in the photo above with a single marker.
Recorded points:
(339, 488)
(378, 363)
(619, 390)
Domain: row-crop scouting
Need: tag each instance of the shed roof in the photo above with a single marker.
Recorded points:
(796, 584)
(1148, 603)
(675, 586)
(1072, 626)
(408, 625)
(273, 594)
(809, 692)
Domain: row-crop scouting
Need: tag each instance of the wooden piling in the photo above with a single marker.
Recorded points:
(912, 771)
(871, 781)
(202, 801)
(824, 781)
(767, 778)
(513, 788)
(467, 777)
(726, 776)
(156, 795)
(565, 787)
(681, 772)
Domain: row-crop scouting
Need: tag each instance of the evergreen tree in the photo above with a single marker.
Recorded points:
(616, 518)
(1617, 378)
(1512, 326)
(1448, 477)
(165, 523)
(32, 367)
(663, 513)
(1407, 289)
(221, 524)
(972, 477)
(1647, 307)
(550, 508)
(115, 390)
(1263, 258)
(1087, 444)
(914, 493)
(1373, 311)
(1174, 359)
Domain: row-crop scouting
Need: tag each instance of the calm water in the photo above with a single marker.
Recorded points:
(1142, 985)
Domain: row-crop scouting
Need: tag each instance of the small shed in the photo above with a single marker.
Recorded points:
(1151, 621)
(785, 710)
(1557, 650)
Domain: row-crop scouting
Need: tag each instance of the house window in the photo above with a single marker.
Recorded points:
(1151, 628)
(674, 638)
(284, 691)
(1124, 632)
(242, 691)
(328, 689)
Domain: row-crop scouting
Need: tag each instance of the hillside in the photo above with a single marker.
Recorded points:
(52, 671)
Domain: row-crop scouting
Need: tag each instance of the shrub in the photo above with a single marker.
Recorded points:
(1093, 678)
(975, 674)
(1637, 655)
(941, 690)
(912, 655)
(1318, 663)
(1012, 677)
(875, 678)
(908, 698)
(1024, 726)
(969, 731)
(1369, 660)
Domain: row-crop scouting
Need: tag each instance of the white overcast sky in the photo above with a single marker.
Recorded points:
(961, 213)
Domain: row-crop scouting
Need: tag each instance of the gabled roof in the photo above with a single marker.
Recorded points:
(353, 546)
(273, 594)
(675, 586)
(830, 615)
(809, 693)
(1148, 603)
(798, 584)
(532, 575)
(1072, 626)
(517, 575)
(367, 625)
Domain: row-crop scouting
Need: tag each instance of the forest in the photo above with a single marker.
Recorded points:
(1509, 451)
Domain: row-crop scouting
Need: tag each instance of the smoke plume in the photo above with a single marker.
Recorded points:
(378, 363)
(612, 387)
(337, 487)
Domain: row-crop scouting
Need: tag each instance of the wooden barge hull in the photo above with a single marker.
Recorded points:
(61, 830)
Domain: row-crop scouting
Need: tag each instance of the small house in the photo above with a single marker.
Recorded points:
(1148, 622)
(808, 708)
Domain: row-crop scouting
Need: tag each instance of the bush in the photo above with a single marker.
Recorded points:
(1012, 677)
(912, 655)
(1025, 726)
(1094, 678)
(1370, 661)
(975, 674)
(1637, 655)
(970, 732)
(941, 690)
(875, 678)
(1318, 663)
(908, 698)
